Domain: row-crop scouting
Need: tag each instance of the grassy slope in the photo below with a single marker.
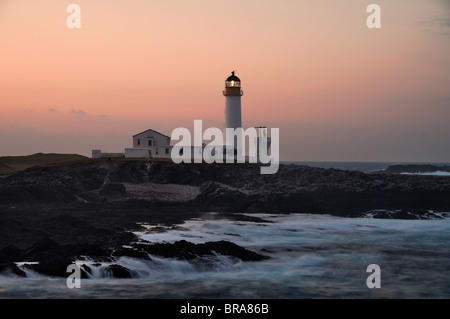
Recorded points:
(12, 164)
(6, 169)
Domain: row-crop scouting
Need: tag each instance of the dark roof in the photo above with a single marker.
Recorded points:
(233, 77)
(152, 131)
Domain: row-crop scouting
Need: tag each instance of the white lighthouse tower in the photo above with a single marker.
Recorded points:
(233, 95)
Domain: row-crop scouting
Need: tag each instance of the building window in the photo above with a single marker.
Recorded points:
(156, 152)
(138, 141)
(150, 142)
(167, 150)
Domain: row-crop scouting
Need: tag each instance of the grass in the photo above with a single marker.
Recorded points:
(6, 169)
(13, 164)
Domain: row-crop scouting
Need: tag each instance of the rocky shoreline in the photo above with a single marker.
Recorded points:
(55, 215)
(414, 169)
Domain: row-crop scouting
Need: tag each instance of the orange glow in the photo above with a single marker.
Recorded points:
(136, 64)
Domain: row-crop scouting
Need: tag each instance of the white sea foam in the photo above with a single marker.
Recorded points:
(435, 173)
(311, 256)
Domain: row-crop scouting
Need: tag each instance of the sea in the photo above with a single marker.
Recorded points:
(367, 167)
(312, 256)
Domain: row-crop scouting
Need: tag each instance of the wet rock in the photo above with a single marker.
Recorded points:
(180, 250)
(52, 257)
(91, 250)
(118, 271)
(230, 249)
(86, 271)
(130, 252)
(56, 266)
(404, 214)
(188, 251)
(54, 215)
(11, 268)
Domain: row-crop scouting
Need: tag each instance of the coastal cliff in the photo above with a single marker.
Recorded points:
(55, 214)
(235, 188)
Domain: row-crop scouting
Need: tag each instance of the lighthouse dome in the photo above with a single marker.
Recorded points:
(233, 81)
(233, 77)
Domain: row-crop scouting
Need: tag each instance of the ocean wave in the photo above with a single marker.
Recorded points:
(435, 173)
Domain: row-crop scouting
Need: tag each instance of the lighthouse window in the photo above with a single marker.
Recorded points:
(233, 84)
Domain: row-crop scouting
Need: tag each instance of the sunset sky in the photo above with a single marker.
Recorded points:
(337, 90)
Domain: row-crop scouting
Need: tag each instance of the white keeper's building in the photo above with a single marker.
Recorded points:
(149, 143)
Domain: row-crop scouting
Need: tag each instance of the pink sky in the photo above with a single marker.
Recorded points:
(336, 89)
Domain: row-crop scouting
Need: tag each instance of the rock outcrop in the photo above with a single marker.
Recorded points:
(225, 187)
(54, 215)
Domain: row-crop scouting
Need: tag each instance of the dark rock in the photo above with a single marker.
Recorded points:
(113, 189)
(231, 187)
(123, 238)
(85, 271)
(86, 268)
(118, 271)
(47, 249)
(129, 252)
(189, 251)
(130, 172)
(231, 249)
(42, 249)
(84, 210)
(214, 194)
(17, 271)
(404, 214)
(10, 194)
(98, 260)
(89, 177)
(10, 253)
(209, 187)
(56, 266)
(54, 258)
(91, 250)
(11, 268)
(180, 250)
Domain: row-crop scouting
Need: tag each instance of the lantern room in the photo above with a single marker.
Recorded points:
(233, 85)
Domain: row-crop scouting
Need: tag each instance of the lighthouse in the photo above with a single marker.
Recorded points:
(233, 95)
